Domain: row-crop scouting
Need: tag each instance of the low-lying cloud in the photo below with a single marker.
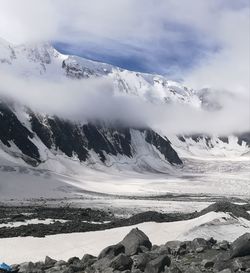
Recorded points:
(96, 99)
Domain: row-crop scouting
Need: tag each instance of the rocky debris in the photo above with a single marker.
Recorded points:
(225, 206)
(135, 254)
(86, 219)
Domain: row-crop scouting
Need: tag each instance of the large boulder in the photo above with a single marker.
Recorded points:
(241, 246)
(134, 240)
(158, 265)
(178, 247)
(121, 262)
(241, 263)
(140, 261)
(111, 251)
(198, 244)
(49, 262)
(29, 267)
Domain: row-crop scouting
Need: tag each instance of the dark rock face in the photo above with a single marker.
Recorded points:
(164, 146)
(12, 130)
(76, 71)
(244, 137)
(118, 142)
(74, 139)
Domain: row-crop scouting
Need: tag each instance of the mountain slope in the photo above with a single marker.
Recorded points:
(30, 139)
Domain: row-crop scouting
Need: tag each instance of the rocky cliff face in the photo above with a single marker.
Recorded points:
(75, 140)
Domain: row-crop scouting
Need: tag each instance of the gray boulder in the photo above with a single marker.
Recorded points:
(28, 268)
(49, 262)
(199, 243)
(177, 247)
(227, 270)
(207, 263)
(241, 246)
(140, 261)
(111, 251)
(241, 263)
(158, 265)
(134, 240)
(121, 262)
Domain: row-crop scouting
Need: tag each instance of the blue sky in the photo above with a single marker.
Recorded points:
(165, 60)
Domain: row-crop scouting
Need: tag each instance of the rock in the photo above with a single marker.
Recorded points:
(176, 247)
(226, 271)
(193, 269)
(242, 263)
(101, 264)
(121, 262)
(136, 271)
(173, 269)
(88, 260)
(162, 249)
(73, 260)
(222, 261)
(111, 251)
(140, 261)
(199, 249)
(134, 240)
(28, 268)
(212, 241)
(224, 245)
(158, 265)
(60, 263)
(143, 249)
(198, 243)
(207, 263)
(49, 262)
(241, 246)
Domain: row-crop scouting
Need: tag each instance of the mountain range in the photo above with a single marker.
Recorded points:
(34, 137)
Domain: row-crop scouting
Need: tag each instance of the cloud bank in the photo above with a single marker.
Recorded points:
(96, 99)
(204, 43)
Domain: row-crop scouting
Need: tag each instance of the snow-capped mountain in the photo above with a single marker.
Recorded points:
(37, 137)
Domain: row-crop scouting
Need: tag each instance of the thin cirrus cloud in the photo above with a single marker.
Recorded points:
(96, 99)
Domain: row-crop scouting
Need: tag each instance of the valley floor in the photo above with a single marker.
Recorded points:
(184, 189)
(124, 193)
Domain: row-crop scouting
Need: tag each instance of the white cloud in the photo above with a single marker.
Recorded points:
(216, 30)
(229, 67)
(95, 99)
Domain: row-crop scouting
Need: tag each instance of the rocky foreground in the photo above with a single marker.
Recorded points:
(136, 254)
